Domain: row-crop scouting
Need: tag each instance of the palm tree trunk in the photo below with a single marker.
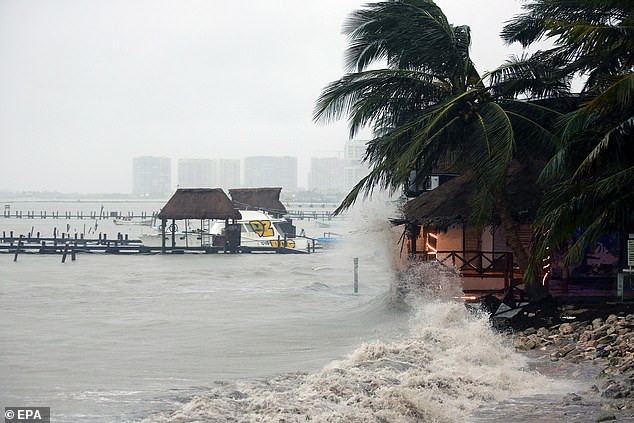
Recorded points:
(512, 233)
(535, 290)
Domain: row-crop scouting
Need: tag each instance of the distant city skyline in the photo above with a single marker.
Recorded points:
(338, 173)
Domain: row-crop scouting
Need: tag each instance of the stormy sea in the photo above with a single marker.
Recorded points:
(257, 337)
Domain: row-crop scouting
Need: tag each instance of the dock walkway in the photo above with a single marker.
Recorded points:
(121, 245)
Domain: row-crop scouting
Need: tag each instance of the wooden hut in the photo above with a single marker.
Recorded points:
(196, 203)
(438, 227)
(267, 199)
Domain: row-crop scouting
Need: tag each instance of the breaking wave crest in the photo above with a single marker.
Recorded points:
(449, 363)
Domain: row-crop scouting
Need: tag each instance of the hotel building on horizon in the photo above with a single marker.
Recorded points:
(151, 176)
(208, 173)
(354, 168)
(271, 171)
(326, 174)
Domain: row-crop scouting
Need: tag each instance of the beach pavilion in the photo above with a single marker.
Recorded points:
(267, 199)
(204, 204)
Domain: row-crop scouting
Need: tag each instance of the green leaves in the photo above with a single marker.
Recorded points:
(592, 173)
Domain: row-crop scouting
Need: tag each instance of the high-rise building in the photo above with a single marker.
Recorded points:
(225, 173)
(354, 169)
(271, 171)
(326, 174)
(209, 173)
(195, 173)
(151, 176)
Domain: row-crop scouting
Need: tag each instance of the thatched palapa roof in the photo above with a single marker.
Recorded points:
(258, 198)
(199, 203)
(451, 203)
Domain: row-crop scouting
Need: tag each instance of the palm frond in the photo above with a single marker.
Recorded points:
(408, 34)
(383, 95)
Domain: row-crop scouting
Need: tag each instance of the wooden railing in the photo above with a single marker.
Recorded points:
(484, 264)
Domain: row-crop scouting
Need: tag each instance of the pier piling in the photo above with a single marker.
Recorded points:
(356, 275)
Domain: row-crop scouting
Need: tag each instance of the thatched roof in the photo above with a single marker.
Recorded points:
(199, 203)
(258, 199)
(451, 202)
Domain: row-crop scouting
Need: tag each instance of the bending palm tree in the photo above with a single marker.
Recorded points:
(595, 165)
(429, 104)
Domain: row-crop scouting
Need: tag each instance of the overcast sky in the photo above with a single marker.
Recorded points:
(87, 85)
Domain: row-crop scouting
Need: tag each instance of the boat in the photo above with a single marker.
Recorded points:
(127, 220)
(259, 229)
(329, 239)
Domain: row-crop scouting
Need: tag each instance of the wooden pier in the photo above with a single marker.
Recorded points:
(91, 215)
(117, 215)
(122, 244)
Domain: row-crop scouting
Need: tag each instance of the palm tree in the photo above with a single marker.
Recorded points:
(593, 172)
(430, 106)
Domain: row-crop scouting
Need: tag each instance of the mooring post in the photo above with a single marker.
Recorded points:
(17, 250)
(65, 252)
(356, 274)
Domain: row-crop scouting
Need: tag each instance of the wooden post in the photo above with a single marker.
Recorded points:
(509, 269)
(186, 233)
(65, 252)
(356, 275)
(163, 224)
(173, 230)
(17, 250)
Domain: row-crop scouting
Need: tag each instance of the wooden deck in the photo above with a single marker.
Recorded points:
(121, 245)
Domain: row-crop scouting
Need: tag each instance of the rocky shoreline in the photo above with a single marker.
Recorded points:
(600, 334)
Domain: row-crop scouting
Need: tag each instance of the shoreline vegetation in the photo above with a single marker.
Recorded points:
(598, 334)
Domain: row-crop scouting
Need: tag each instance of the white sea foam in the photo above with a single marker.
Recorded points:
(449, 363)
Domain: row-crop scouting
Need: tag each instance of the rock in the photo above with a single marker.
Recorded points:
(585, 336)
(530, 331)
(600, 331)
(236, 395)
(571, 397)
(606, 339)
(524, 343)
(605, 343)
(566, 329)
(562, 352)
